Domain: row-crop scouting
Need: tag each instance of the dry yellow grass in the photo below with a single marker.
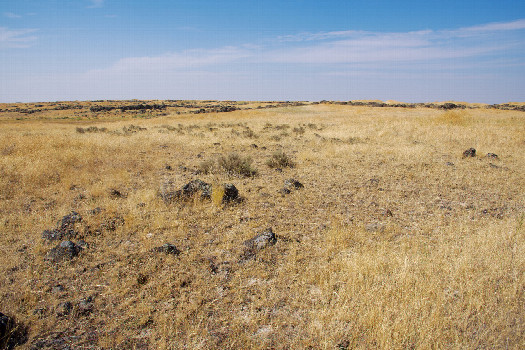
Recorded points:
(396, 241)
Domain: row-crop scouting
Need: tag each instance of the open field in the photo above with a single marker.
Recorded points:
(395, 241)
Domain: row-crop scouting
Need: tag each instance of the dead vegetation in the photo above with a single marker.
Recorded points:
(176, 232)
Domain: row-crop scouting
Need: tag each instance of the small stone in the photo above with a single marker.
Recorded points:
(375, 227)
(57, 289)
(65, 228)
(114, 193)
(167, 248)
(82, 244)
(373, 182)
(292, 183)
(196, 186)
(95, 211)
(142, 279)
(264, 331)
(53, 235)
(85, 306)
(284, 191)
(66, 250)
(265, 239)
(111, 224)
(231, 193)
(492, 155)
(471, 152)
(69, 220)
(343, 345)
(64, 309)
(6, 324)
(12, 333)
(40, 312)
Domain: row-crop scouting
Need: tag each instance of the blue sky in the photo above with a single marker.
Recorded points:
(413, 51)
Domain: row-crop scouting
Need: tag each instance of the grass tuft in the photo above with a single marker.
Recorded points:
(280, 160)
(454, 117)
(234, 164)
(217, 194)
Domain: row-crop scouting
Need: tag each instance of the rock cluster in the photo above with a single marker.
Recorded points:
(195, 189)
(66, 250)
(167, 248)
(65, 228)
(290, 185)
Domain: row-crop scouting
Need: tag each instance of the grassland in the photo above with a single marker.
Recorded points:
(396, 240)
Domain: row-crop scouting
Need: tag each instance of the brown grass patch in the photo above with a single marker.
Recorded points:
(394, 242)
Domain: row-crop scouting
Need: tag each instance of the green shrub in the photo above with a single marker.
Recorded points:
(280, 160)
(234, 164)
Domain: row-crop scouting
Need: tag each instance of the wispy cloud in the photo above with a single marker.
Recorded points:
(363, 46)
(451, 33)
(482, 63)
(497, 26)
(344, 48)
(11, 15)
(96, 3)
(16, 38)
(176, 61)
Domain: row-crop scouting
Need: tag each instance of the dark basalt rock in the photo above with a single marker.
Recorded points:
(263, 240)
(66, 250)
(11, 333)
(64, 309)
(471, 152)
(65, 228)
(289, 185)
(85, 306)
(170, 194)
(167, 248)
(69, 220)
(196, 186)
(292, 183)
(285, 191)
(231, 193)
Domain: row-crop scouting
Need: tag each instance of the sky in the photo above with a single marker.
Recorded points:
(404, 50)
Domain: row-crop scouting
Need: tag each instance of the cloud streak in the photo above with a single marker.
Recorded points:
(482, 63)
(342, 48)
(96, 4)
(189, 59)
(11, 15)
(16, 38)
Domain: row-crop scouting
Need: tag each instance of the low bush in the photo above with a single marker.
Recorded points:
(234, 164)
(280, 160)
